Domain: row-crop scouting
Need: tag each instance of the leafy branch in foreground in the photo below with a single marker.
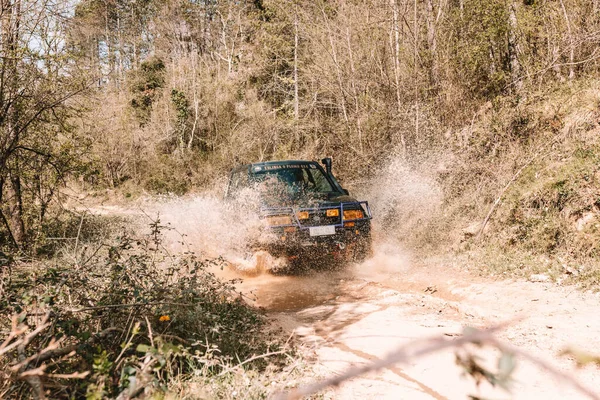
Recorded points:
(422, 347)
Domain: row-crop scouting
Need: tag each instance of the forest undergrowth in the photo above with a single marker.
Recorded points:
(124, 318)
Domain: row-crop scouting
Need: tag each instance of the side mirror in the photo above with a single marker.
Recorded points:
(327, 163)
(346, 192)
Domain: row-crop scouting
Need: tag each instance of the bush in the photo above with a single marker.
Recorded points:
(123, 318)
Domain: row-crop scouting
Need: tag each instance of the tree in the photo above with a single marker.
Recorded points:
(37, 81)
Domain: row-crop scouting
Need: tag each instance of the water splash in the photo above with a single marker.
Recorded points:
(403, 199)
(208, 225)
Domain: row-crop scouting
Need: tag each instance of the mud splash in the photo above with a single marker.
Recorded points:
(405, 199)
(401, 198)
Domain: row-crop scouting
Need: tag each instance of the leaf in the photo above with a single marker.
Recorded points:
(469, 330)
(170, 348)
(136, 329)
(144, 348)
(506, 364)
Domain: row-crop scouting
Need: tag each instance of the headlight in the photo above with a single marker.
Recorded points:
(278, 220)
(334, 212)
(302, 214)
(353, 214)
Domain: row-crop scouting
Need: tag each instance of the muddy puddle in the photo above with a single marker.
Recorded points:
(321, 286)
(291, 293)
(278, 292)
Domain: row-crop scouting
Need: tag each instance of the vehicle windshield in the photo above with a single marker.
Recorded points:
(297, 179)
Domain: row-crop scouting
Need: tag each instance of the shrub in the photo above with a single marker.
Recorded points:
(125, 317)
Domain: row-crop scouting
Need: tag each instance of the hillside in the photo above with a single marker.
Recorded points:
(472, 128)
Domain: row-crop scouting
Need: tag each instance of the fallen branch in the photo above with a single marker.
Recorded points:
(109, 306)
(33, 380)
(64, 351)
(507, 347)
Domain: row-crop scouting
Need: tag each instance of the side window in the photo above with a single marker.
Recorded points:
(308, 180)
(320, 181)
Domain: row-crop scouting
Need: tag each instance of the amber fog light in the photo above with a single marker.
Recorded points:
(333, 212)
(353, 214)
(278, 220)
(302, 214)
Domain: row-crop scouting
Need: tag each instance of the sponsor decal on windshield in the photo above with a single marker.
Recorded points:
(282, 166)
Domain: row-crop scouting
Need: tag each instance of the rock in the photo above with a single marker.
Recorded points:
(539, 278)
(584, 220)
(570, 270)
(471, 230)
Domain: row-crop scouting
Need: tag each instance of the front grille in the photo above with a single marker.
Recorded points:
(316, 218)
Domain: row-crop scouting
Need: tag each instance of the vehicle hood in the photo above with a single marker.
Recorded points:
(308, 201)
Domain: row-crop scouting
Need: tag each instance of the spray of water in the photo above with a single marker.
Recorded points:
(403, 197)
(208, 225)
(404, 200)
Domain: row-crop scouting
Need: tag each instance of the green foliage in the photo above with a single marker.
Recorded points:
(274, 80)
(479, 46)
(543, 217)
(146, 83)
(137, 316)
(169, 175)
(181, 104)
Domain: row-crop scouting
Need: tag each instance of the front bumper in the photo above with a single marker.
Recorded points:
(319, 234)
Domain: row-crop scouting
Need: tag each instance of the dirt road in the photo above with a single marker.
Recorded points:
(353, 317)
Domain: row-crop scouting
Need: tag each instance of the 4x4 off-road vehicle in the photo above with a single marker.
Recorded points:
(305, 209)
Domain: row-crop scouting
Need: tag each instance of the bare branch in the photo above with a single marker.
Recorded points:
(419, 348)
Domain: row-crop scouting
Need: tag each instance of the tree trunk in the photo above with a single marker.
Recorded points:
(296, 100)
(396, 59)
(11, 195)
(354, 90)
(107, 38)
(3, 208)
(396, 52)
(571, 41)
(432, 40)
(15, 203)
(120, 51)
(416, 69)
(337, 67)
(515, 66)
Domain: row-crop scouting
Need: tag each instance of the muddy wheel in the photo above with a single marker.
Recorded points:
(362, 249)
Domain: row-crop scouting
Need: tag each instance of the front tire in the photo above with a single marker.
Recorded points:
(362, 249)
